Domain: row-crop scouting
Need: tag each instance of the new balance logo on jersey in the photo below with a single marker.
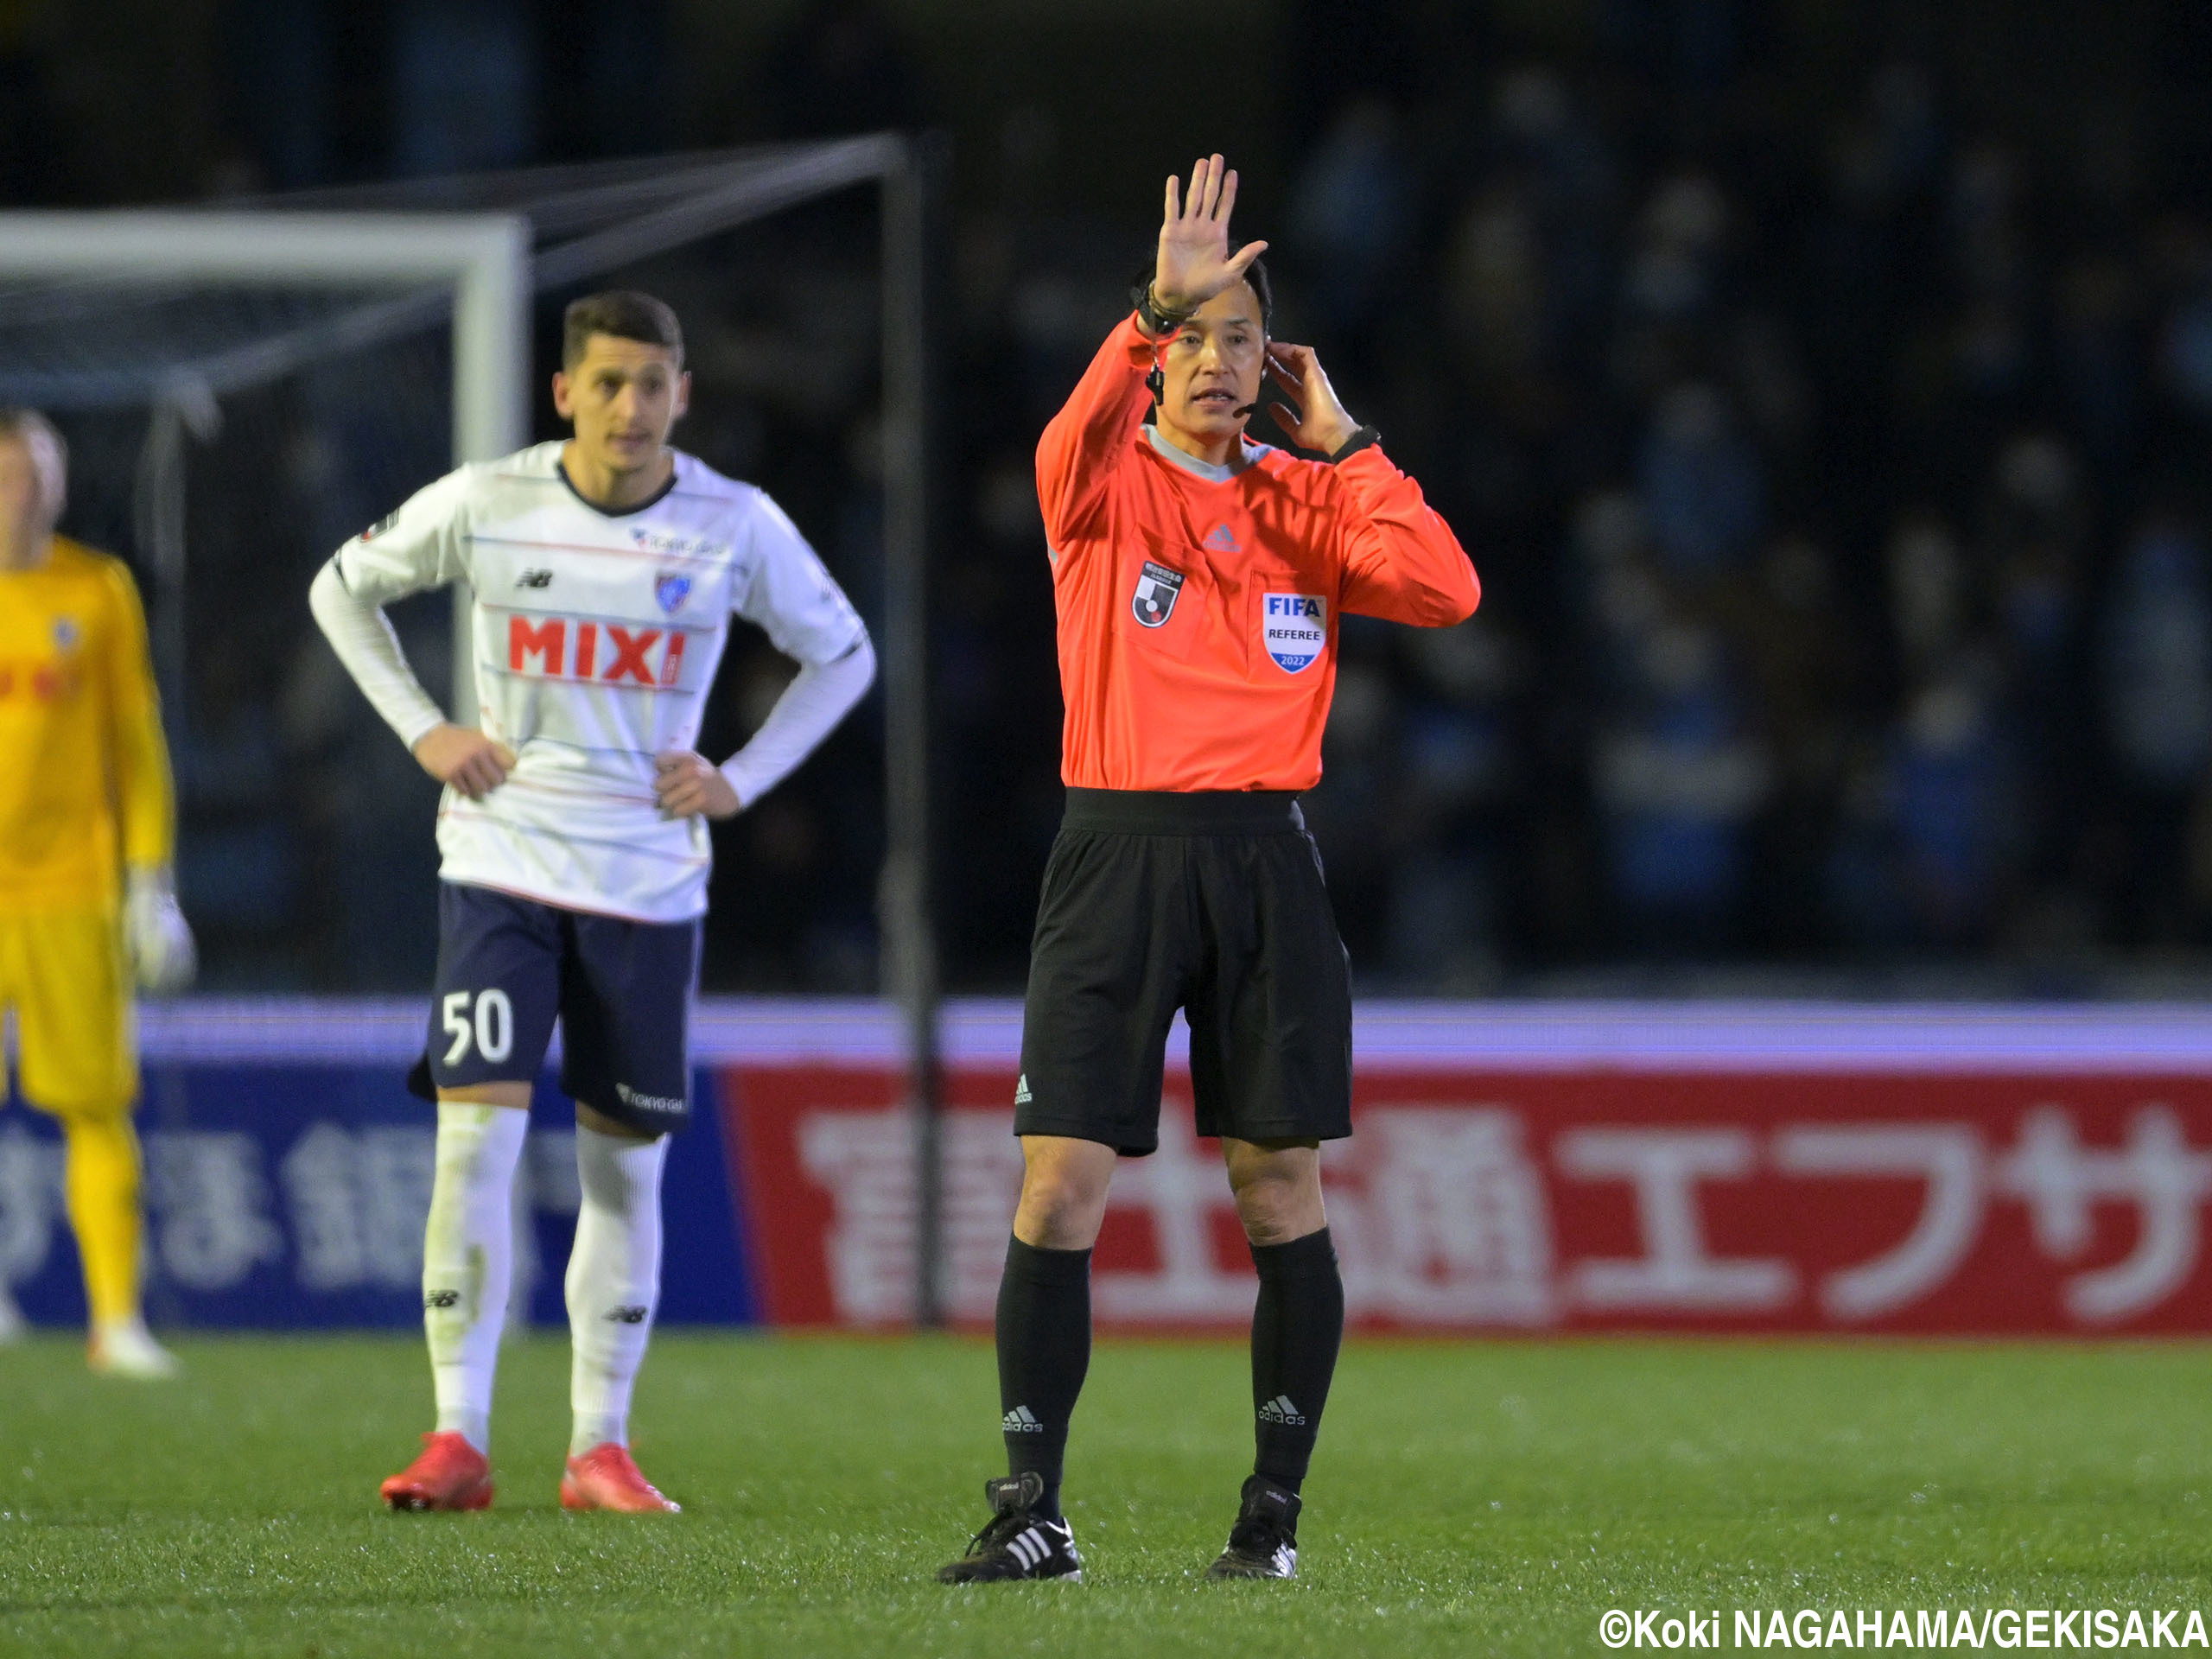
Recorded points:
(1022, 1421)
(605, 652)
(1279, 1410)
(535, 579)
(630, 1315)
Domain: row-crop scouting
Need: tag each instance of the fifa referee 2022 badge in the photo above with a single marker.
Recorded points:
(1200, 578)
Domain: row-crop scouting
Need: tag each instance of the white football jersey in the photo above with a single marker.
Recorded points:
(597, 635)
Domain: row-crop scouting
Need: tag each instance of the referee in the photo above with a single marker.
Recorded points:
(1199, 578)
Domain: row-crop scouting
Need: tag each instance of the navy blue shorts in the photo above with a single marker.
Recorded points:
(509, 966)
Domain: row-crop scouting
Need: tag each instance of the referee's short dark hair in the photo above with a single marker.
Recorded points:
(1256, 274)
(625, 314)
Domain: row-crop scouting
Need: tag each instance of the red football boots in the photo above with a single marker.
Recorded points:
(450, 1474)
(606, 1477)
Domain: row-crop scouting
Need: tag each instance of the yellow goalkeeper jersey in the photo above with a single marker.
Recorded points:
(84, 773)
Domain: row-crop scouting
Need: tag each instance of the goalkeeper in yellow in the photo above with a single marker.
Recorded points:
(87, 832)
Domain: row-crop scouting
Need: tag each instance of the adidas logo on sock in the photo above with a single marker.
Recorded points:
(1022, 1421)
(1021, 1091)
(1279, 1410)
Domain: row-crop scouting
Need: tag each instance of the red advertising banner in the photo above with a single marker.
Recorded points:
(1949, 1200)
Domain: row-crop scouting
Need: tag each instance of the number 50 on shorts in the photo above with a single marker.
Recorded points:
(492, 1029)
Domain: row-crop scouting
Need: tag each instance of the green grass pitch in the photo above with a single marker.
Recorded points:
(1476, 1498)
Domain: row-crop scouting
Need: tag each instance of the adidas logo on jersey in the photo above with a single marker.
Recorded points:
(1021, 1091)
(1223, 539)
(1279, 1410)
(1022, 1421)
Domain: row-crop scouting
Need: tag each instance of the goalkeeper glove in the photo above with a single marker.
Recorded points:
(162, 951)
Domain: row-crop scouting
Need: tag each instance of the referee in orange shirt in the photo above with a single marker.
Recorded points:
(1200, 579)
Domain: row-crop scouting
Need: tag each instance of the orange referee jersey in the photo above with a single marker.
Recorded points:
(1198, 604)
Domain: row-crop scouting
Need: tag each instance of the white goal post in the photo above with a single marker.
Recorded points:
(477, 264)
(483, 260)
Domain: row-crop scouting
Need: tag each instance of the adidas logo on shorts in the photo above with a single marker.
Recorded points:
(1279, 1410)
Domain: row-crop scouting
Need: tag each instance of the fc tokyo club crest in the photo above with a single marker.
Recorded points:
(671, 591)
(1154, 603)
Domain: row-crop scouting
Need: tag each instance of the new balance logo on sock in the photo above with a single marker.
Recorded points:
(1021, 1091)
(1022, 1421)
(442, 1299)
(637, 1316)
(1279, 1410)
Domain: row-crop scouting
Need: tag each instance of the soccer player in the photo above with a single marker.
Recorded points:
(88, 832)
(1199, 578)
(574, 845)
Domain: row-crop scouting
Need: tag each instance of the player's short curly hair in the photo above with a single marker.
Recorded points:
(49, 455)
(625, 314)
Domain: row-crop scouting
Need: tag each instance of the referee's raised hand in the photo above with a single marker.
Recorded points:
(1195, 263)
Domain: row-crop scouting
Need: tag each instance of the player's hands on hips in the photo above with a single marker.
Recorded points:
(472, 763)
(1320, 421)
(691, 786)
(1194, 262)
(162, 954)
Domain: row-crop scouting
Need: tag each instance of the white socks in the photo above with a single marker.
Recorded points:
(468, 1259)
(613, 1281)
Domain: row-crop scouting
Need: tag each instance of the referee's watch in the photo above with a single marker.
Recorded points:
(1365, 438)
(1153, 318)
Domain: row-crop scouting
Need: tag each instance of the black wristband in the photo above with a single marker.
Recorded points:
(1365, 438)
(1152, 318)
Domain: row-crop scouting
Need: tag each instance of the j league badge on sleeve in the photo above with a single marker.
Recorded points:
(1155, 599)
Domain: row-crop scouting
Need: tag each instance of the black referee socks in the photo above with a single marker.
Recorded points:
(1044, 1335)
(1296, 1330)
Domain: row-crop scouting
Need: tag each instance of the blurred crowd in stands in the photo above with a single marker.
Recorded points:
(1833, 457)
(1840, 492)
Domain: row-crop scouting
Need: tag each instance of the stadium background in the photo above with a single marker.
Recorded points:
(1821, 387)
(1784, 908)
(1823, 391)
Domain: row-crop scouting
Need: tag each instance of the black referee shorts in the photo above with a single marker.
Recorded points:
(1212, 903)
